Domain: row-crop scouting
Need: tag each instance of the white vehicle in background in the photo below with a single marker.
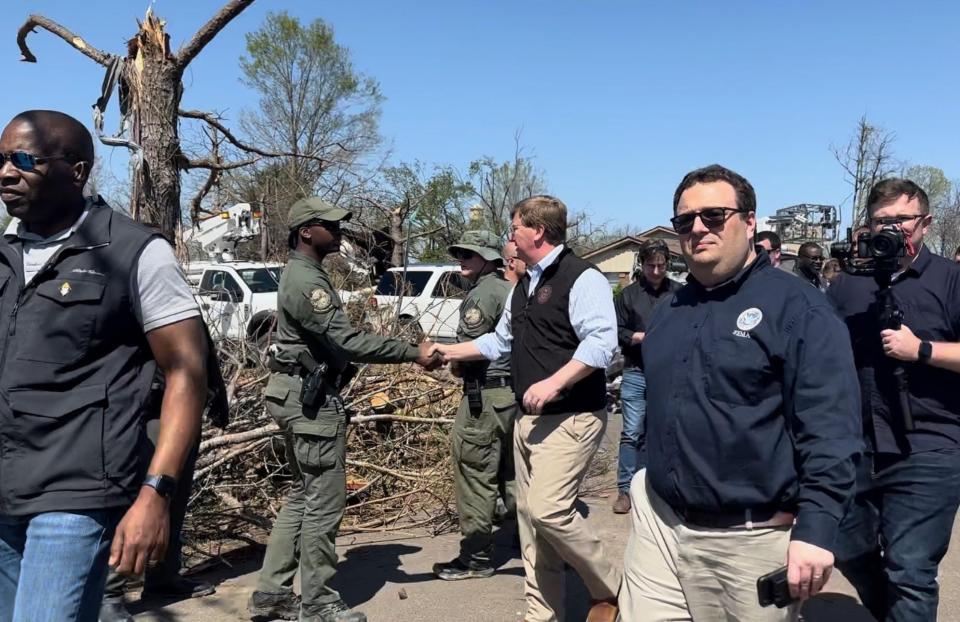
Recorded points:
(430, 304)
(238, 299)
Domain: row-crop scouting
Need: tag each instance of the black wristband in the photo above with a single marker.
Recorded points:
(163, 484)
(925, 352)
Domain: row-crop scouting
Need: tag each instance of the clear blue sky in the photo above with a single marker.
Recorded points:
(616, 99)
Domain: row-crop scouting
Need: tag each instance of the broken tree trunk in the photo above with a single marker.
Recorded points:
(150, 92)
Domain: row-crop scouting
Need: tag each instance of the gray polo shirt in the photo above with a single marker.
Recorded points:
(165, 296)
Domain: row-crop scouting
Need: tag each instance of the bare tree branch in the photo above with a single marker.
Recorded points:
(210, 164)
(53, 27)
(212, 179)
(214, 122)
(208, 31)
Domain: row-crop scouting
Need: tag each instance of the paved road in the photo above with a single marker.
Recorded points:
(388, 576)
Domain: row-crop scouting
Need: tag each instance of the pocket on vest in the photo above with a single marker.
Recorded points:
(60, 438)
(60, 323)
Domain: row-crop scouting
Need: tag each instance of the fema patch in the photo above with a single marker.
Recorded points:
(321, 300)
(544, 294)
(472, 317)
(749, 319)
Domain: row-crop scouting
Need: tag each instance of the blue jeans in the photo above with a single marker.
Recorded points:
(633, 436)
(53, 565)
(904, 509)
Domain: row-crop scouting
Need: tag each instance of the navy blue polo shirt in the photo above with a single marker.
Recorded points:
(752, 401)
(928, 292)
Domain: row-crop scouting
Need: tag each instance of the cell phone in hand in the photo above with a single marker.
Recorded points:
(773, 589)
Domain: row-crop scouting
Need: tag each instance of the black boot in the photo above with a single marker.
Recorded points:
(114, 611)
(285, 606)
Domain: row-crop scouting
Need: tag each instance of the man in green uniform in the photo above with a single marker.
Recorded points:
(315, 346)
(483, 430)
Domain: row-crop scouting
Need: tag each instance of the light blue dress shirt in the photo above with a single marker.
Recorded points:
(591, 314)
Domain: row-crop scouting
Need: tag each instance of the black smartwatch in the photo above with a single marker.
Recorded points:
(925, 352)
(163, 484)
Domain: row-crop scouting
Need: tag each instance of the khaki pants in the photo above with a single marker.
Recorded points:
(551, 455)
(675, 572)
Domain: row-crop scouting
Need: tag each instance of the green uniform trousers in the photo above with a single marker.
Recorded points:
(483, 470)
(304, 534)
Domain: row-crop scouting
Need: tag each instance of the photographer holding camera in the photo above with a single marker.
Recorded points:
(901, 304)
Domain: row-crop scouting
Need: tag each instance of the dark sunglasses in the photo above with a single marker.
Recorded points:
(26, 162)
(711, 217)
(461, 253)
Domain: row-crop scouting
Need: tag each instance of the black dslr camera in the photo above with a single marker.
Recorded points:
(878, 255)
(872, 253)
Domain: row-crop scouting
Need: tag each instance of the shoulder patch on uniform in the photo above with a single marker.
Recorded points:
(321, 300)
(472, 317)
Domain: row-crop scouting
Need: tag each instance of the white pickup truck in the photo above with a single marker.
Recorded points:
(430, 305)
(238, 299)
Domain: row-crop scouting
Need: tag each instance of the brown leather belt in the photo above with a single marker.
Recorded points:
(739, 519)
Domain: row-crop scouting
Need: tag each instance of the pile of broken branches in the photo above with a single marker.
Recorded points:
(398, 465)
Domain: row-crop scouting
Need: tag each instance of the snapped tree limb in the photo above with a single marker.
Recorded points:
(75, 41)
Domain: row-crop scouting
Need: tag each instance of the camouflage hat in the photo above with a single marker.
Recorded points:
(483, 243)
(315, 208)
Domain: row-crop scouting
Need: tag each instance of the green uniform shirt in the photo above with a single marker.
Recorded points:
(479, 314)
(311, 318)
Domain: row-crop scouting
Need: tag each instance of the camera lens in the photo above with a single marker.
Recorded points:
(883, 245)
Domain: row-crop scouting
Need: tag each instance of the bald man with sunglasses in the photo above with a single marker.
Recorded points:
(752, 425)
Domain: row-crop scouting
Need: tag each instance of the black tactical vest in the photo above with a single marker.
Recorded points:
(75, 371)
(544, 339)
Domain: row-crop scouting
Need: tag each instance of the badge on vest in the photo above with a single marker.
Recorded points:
(320, 300)
(543, 296)
(747, 321)
(65, 289)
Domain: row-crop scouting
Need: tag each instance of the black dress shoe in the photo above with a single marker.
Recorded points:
(114, 611)
(178, 587)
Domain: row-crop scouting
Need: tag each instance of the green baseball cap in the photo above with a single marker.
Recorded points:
(483, 243)
(315, 208)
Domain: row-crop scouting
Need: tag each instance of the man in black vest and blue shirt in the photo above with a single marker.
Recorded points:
(560, 328)
(752, 425)
(93, 304)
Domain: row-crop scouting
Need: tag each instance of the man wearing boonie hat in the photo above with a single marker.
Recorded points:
(483, 431)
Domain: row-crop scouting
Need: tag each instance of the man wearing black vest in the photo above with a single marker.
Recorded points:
(560, 327)
(93, 303)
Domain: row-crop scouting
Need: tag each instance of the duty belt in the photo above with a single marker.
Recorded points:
(292, 369)
(491, 383)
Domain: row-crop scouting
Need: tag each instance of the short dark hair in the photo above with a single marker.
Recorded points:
(807, 247)
(887, 191)
(769, 236)
(651, 248)
(746, 197)
(58, 131)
